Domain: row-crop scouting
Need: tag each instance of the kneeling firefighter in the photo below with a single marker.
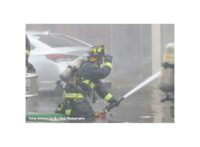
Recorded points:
(80, 82)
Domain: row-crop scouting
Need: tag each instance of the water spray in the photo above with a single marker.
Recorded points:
(134, 90)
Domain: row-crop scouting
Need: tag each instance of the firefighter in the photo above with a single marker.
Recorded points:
(80, 82)
(29, 67)
(167, 76)
(98, 66)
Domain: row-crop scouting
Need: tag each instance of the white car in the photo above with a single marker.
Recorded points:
(51, 53)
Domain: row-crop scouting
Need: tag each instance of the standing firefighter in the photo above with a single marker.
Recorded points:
(80, 83)
(167, 73)
(29, 66)
(167, 77)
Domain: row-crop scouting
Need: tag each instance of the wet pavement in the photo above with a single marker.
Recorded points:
(142, 107)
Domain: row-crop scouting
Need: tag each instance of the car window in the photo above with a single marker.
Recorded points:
(60, 41)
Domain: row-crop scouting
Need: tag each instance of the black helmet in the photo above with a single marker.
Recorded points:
(97, 51)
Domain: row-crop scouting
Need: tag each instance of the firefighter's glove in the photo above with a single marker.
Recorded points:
(73, 70)
(113, 103)
(30, 68)
(108, 58)
(61, 83)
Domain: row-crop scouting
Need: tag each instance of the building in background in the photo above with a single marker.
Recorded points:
(137, 48)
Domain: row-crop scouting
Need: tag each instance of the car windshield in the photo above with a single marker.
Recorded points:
(56, 41)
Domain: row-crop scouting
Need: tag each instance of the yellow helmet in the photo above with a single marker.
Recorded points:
(97, 51)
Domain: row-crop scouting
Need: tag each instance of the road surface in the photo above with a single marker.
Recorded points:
(142, 107)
